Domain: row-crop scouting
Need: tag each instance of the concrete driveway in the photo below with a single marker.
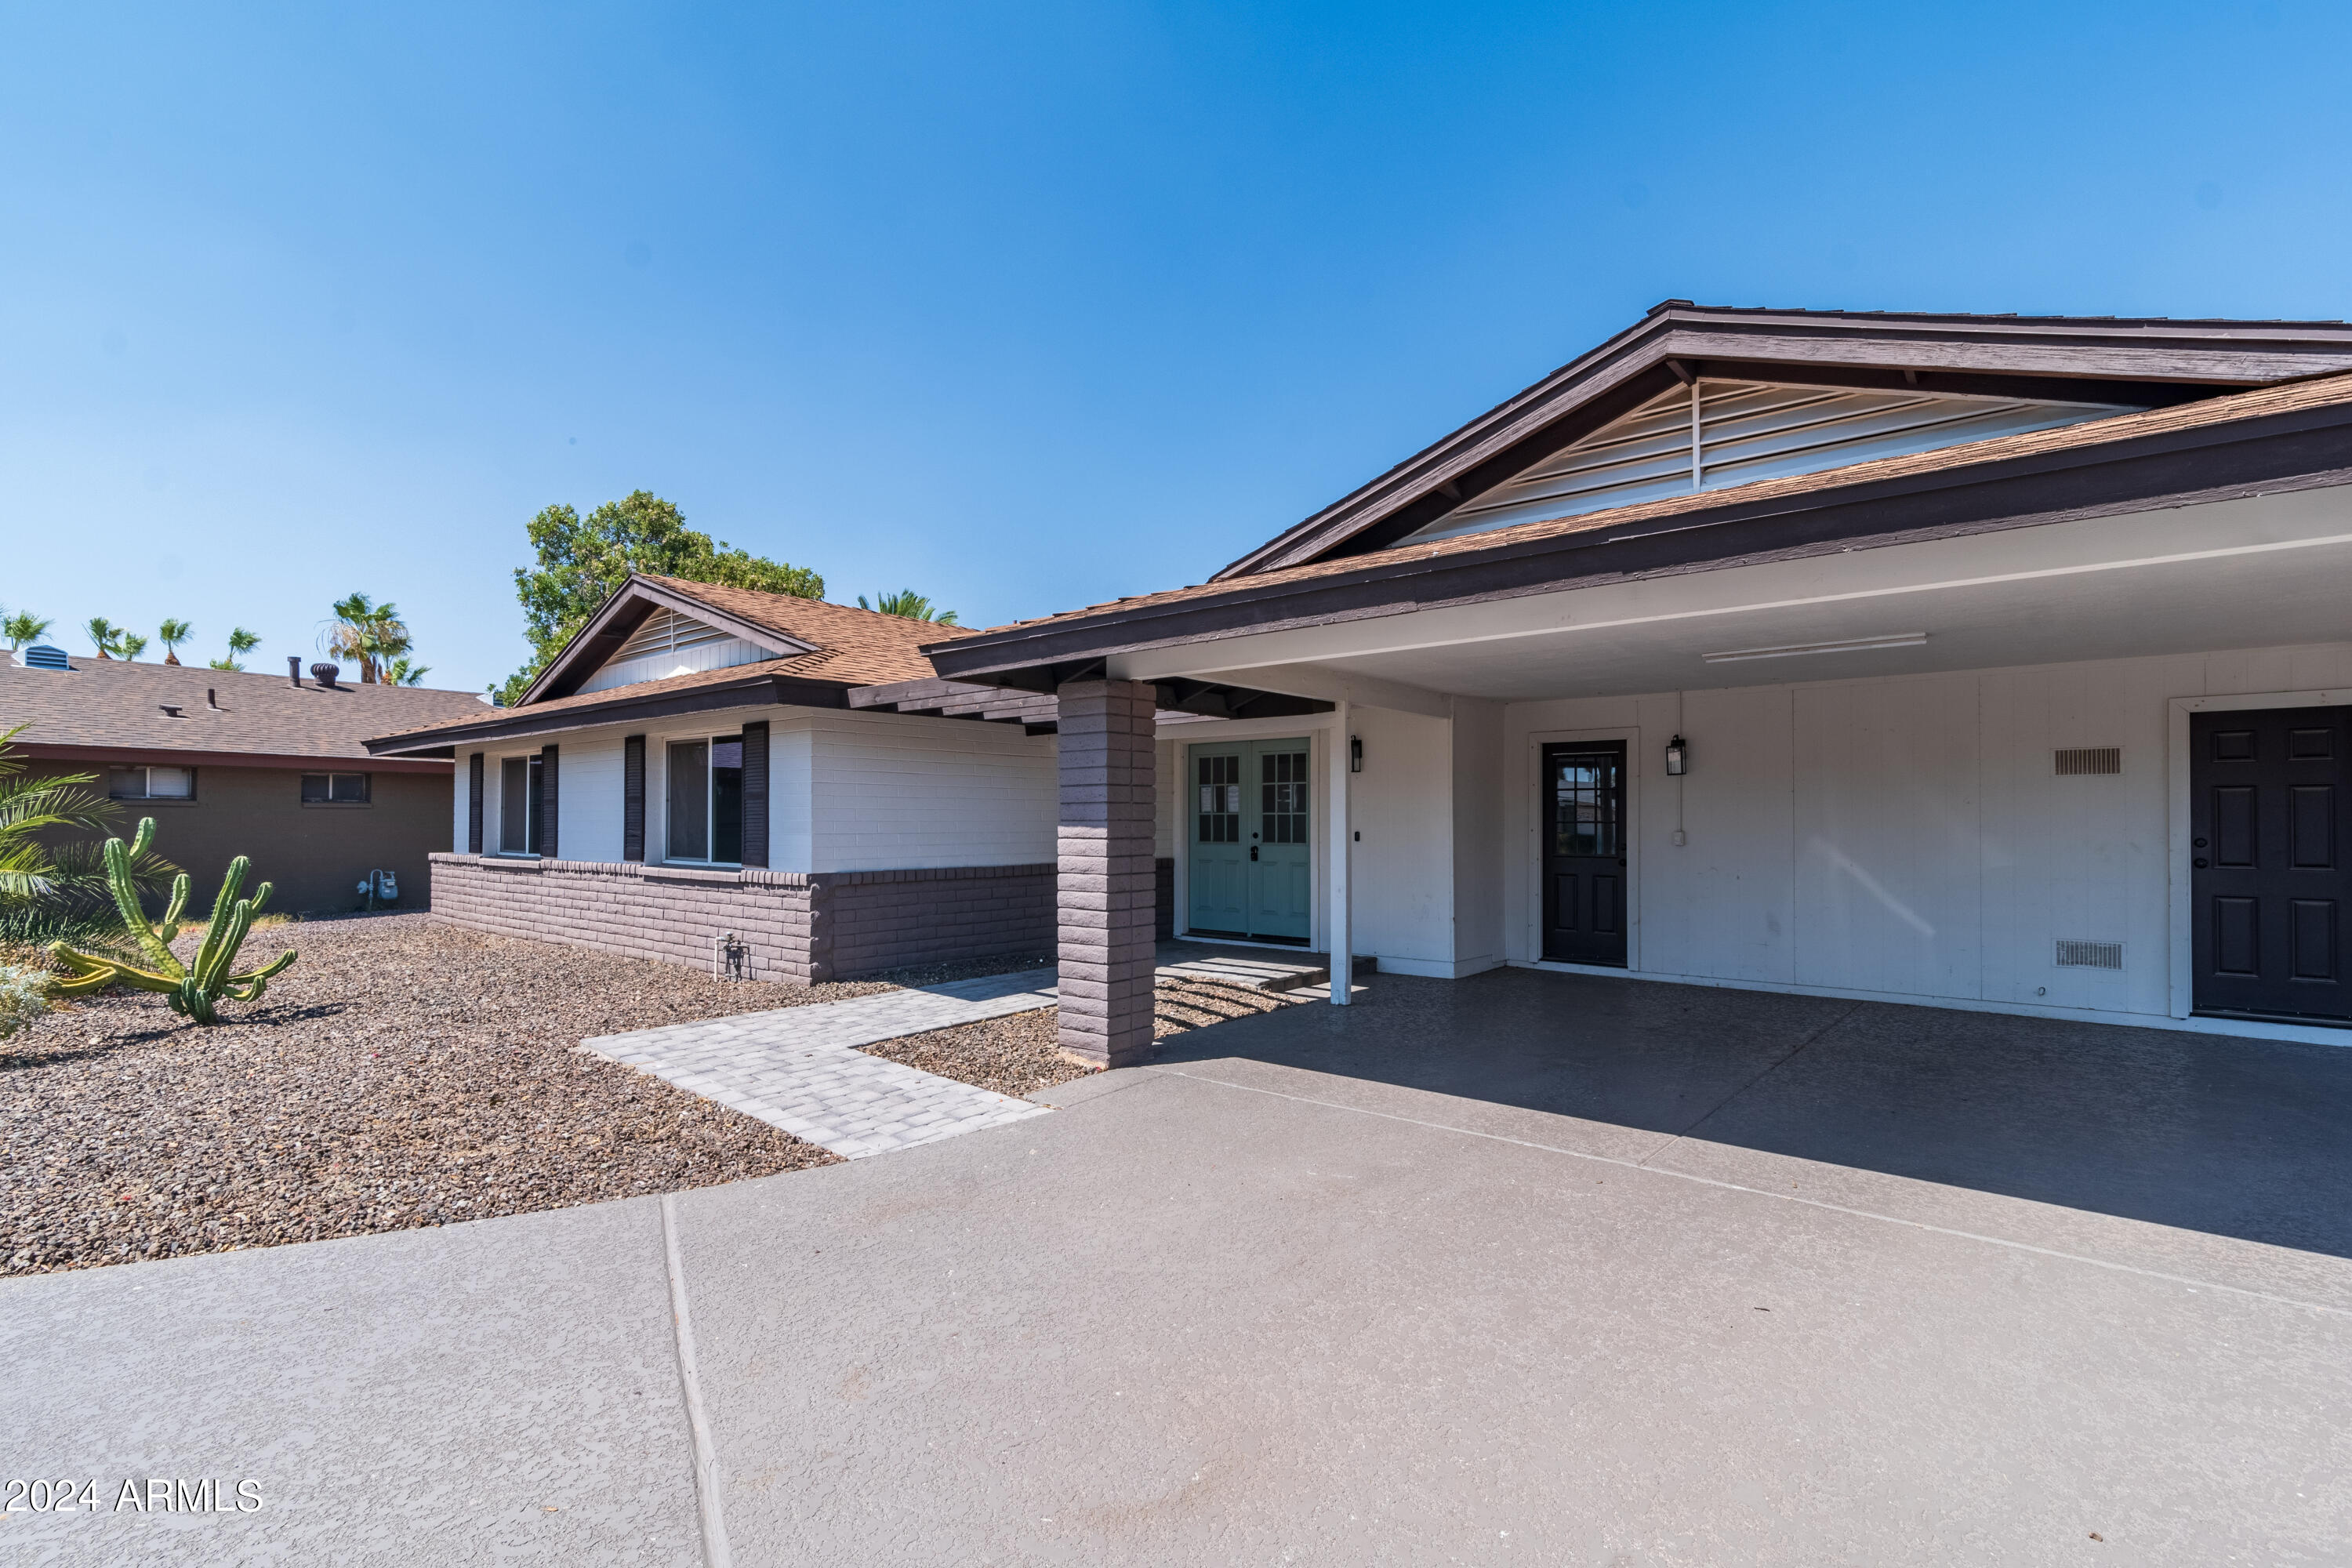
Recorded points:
(1526, 1268)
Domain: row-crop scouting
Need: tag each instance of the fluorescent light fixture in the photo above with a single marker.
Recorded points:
(1851, 645)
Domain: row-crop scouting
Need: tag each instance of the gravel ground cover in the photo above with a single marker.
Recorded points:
(401, 1074)
(1018, 1054)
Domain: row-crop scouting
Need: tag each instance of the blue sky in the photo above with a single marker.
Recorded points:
(1023, 306)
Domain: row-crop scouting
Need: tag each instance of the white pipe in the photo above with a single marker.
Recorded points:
(1341, 945)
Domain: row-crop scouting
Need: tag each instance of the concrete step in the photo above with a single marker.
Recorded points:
(1258, 969)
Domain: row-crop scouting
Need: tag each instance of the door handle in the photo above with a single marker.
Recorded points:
(2198, 862)
(1620, 859)
(1253, 854)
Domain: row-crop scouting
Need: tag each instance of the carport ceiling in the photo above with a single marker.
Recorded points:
(2256, 574)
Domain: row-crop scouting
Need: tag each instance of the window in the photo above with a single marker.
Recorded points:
(1221, 800)
(518, 805)
(1282, 789)
(151, 784)
(706, 800)
(334, 789)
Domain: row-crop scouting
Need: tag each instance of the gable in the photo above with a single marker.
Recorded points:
(1716, 433)
(666, 644)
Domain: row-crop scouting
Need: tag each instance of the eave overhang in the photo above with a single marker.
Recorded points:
(170, 756)
(2145, 363)
(2304, 449)
(631, 705)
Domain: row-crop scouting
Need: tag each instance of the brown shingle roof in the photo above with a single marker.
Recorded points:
(860, 647)
(2289, 398)
(117, 703)
(854, 647)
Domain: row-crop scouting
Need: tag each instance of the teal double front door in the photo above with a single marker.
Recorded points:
(1250, 865)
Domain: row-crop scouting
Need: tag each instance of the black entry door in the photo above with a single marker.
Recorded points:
(1584, 853)
(2269, 846)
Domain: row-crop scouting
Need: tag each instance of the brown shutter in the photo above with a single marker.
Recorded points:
(633, 798)
(474, 804)
(548, 814)
(755, 794)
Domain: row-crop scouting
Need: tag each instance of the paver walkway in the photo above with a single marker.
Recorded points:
(798, 1069)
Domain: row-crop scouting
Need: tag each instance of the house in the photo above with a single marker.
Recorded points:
(229, 763)
(1992, 662)
(705, 771)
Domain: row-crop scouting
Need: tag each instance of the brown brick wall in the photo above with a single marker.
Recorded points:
(1105, 890)
(801, 927)
(883, 919)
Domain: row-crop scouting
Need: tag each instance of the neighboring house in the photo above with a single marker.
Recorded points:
(229, 763)
(1994, 662)
(703, 763)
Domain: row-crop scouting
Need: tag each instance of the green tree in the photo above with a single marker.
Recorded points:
(172, 634)
(24, 626)
(403, 671)
(367, 632)
(104, 636)
(132, 645)
(240, 642)
(583, 560)
(909, 605)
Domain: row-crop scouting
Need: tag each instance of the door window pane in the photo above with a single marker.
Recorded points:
(1221, 800)
(726, 800)
(1282, 796)
(690, 800)
(1587, 803)
(514, 805)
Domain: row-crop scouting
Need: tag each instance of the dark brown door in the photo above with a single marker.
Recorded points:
(2270, 825)
(1584, 853)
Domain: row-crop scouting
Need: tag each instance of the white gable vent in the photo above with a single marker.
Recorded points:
(2075, 760)
(666, 631)
(2089, 954)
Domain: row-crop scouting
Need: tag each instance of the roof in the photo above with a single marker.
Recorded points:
(2166, 427)
(860, 647)
(119, 705)
(2142, 362)
(828, 649)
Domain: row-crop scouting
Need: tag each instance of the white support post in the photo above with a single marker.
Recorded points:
(1340, 944)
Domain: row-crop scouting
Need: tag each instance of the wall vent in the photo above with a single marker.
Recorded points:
(2072, 761)
(41, 656)
(2089, 954)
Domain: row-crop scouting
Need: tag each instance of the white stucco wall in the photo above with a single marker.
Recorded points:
(847, 792)
(1904, 837)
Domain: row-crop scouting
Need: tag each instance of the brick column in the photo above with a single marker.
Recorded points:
(1105, 881)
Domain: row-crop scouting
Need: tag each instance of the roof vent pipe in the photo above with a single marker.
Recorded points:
(324, 674)
(294, 668)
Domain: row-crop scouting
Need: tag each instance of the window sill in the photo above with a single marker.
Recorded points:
(337, 805)
(145, 803)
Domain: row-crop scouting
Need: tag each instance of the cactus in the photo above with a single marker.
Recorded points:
(191, 988)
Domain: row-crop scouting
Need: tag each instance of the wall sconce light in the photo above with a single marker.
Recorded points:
(1355, 754)
(1678, 757)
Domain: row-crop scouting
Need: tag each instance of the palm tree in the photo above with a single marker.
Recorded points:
(133, 646)
(23, 628)
(367, 632)
(909, 605)
(172, 634)
(240, 642)
(49, 891)
(104, 636)
(401, 672)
